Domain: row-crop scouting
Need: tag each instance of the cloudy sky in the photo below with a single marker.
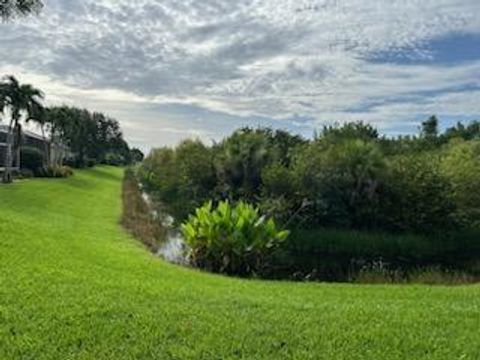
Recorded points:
(172, 69)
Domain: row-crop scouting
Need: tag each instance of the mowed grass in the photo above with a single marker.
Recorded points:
(74, 285)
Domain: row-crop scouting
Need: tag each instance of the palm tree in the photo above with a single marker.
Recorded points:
(18, 100)
(242, 158)
(12, 8)
(39, 115)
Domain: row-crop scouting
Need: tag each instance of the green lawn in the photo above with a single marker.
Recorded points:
(74, 285)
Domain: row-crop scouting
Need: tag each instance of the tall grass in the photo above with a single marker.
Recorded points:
(465, 245)
(344, 255)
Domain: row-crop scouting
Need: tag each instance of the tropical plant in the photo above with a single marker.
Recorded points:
(231, 239)
(38, 114)
(239, 162)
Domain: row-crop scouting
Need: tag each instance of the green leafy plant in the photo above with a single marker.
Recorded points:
(230, 239)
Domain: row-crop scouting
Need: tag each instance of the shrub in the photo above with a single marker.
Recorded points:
(461, 166)
(113, 159)
(54, 172)
(418, 195)
(79, 162)
(229, 239)
(278, 180)
(182, 178)
(342, 181)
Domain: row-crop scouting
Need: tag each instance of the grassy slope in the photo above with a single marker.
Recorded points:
(74, 285)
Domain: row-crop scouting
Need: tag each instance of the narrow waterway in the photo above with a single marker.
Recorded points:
(173, 249)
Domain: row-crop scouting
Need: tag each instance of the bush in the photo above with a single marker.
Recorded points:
(342, 181)
(182, 178)
(31, 158)
(54, 172)
(418, 195)
(233, 240)
(79, 163)
(461, 166)
(113, 159)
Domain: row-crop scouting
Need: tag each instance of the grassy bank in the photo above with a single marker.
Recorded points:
(74, 285)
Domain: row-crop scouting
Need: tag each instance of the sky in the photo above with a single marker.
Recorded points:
(173, 69)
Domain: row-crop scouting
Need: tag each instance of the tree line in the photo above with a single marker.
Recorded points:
(87, 137)
(346, 177)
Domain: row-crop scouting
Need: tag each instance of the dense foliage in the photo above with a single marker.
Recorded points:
(346, 177)
(91, 137)
(231, 239)
(347, 180)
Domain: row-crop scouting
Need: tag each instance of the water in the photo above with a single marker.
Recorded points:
(173, 248)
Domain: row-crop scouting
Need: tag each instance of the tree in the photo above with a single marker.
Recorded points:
(13, 8)
(240, 160)
(18, 100)
(429, 128)
(39, 116)
(469, 132)
(341, 181)
(418, 194)
(460, 164)
(91, 137)
(136, 155)
(351, 130)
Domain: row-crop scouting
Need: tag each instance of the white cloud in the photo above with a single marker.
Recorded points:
(272, 58)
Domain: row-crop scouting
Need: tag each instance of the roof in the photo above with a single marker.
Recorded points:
(4, 128)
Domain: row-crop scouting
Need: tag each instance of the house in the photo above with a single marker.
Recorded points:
(57, 152)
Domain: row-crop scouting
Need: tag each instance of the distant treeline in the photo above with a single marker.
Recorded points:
(91, 137)
(71, 136)
(346, 177)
